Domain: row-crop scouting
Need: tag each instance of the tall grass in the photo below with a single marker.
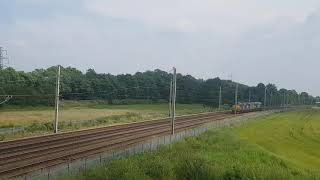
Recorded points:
(83, 114)
(216, 154)
(38, 127)
(293, 136)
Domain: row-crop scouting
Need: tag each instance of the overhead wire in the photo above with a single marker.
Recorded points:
(77, 93)
(27, 95)
(110, 92)
(25, 80)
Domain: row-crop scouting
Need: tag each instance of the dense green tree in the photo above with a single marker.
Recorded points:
(38, 87)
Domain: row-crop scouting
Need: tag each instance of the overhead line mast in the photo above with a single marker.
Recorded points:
(57, 101)
(236, 98)
(172, 102)
(220, 97)
(2, 57)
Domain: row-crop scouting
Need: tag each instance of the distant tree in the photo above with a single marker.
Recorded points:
(39, 85)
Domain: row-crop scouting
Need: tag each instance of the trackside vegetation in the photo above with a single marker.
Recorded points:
(36, 88)
(293, 137)
(83, 114)
(228, 153)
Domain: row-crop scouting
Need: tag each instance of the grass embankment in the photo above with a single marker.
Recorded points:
(83, 114)
(277, 147)
(293, 137)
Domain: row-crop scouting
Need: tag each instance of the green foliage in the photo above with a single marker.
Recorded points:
(2, 137)
(123, 114)
(10, 125)
(38, 126)
(293, 136)
(149, 86)
(219, 154)
(192, 167)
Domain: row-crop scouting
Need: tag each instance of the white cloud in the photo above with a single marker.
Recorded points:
(204, 38)
(195, 15)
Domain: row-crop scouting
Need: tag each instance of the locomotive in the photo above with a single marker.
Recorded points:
(244, 107)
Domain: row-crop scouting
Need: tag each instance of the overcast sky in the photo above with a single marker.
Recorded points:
(254, 40)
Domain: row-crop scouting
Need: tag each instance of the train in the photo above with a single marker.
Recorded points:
(244, 107)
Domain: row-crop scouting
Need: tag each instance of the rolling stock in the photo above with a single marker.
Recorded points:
(244, 107)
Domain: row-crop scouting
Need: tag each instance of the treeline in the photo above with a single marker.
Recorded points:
(38, 88)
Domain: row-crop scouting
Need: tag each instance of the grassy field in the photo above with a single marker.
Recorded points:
(76, 111)
(293, 137)
(82, 114)
(281, 146)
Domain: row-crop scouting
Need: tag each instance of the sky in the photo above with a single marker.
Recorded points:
(268, 41)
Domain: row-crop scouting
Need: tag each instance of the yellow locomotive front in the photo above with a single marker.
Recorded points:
(236, 108)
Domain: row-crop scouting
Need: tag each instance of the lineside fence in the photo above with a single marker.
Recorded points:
(81, 165)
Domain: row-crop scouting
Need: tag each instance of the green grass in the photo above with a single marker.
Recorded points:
(223, 154)
(38, 120)
(293, 137)
(88, 110)
(163, 108)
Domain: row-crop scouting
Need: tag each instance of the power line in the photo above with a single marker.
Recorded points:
(78, 93)
(17, 81)
(27, 95)
(25, 80)
(109, 92)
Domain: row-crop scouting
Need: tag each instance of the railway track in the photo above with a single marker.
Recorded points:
(22, 156)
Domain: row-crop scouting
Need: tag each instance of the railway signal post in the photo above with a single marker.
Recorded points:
(57, 101)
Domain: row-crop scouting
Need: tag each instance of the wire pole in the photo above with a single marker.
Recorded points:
(236, 99)
(271, 99)
(174, 93)
(3, 58)
(57, 101)
(1, 61)
(220, 97)
(265, 98)
(148, 94)
(170, 99)
(249, 95)
(284, 99)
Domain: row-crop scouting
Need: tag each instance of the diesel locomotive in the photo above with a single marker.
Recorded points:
(244, 107)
